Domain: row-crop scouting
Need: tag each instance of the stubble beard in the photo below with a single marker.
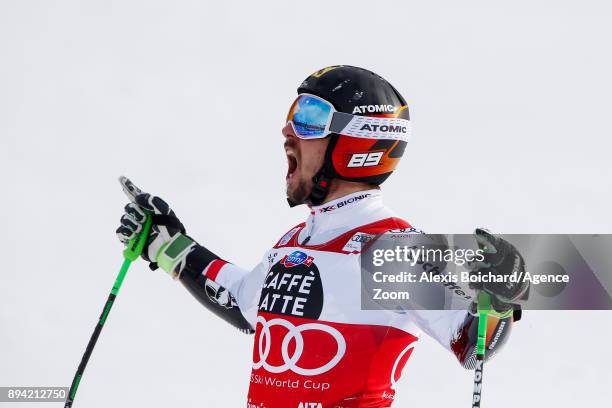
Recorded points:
(300, 193)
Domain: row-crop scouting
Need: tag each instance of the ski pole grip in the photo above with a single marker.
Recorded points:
(136, 244)
(484, 306)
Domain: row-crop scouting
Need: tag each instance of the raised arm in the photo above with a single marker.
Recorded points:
(226, 290)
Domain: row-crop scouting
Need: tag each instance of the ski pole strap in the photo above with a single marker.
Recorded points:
(171, 254)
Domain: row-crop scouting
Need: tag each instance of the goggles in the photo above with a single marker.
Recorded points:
(312, 117)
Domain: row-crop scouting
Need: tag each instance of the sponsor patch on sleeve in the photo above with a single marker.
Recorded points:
(402, 232)
(355, 242)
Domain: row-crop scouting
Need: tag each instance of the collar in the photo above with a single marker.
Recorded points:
(341, 214)
(346, 203)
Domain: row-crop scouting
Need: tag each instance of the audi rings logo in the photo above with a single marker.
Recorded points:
(291, 362)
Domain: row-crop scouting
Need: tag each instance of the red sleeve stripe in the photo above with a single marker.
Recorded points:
(213, 268)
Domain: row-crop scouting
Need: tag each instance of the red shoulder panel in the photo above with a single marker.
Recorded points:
(290, 237)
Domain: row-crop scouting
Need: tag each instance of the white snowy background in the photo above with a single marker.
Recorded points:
(511, 110)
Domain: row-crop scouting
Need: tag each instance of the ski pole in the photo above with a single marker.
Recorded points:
(131, 253)
(484, 305)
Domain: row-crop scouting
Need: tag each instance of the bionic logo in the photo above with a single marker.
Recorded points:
(385, 128)
(374, 109)
(345, 202)
(296, 258)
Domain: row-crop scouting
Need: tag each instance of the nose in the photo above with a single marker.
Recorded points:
(288, 132)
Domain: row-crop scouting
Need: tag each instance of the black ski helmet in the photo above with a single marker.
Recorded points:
(359, 92)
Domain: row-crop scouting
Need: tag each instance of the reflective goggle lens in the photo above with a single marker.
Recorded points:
(309, 116)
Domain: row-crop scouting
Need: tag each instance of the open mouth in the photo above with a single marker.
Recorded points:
(292, 164)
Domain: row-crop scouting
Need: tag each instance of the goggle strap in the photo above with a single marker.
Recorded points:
(366, 127)
(339, 121)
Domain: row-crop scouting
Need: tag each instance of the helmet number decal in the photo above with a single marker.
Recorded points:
(365, 159)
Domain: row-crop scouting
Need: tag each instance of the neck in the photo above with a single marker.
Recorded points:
(340, 188)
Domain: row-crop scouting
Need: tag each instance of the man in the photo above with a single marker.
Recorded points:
(314, 346)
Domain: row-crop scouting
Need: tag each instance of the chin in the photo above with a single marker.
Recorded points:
(297, 191)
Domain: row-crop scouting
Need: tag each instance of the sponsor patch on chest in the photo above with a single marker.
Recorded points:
(296, 258)
(293, 287)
